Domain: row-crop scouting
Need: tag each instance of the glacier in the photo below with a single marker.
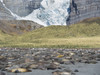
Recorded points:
(51, 12)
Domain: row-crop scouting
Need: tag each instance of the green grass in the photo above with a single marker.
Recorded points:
(85, 34)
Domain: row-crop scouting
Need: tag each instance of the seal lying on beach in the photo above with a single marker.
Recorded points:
(20, 70)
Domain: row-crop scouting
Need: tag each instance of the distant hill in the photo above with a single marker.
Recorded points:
(17, 26)
(88, 27)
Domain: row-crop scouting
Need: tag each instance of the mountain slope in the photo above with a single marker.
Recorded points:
(17, 26)
(5, 14)
(88, 27)
(85, 34)
(50, 12)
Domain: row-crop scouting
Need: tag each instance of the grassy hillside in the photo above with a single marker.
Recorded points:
(85, 34)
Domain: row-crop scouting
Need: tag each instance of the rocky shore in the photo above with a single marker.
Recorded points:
(19, 60)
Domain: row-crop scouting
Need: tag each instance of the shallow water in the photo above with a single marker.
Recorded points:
(87, 69)
(34, 72)
(84, 69)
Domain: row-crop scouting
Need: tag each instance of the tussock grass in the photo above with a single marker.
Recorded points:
(85, 34)
(85, 42)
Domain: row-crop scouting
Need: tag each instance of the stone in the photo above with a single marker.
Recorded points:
(45, 59)
(73, 62)
(66, 61)
(76, 70)
(98, 59)
(33, 66)
(2, 57)
(98, 56)
(53, 67)
(28, 60)
(91, 61)
(56, 63)
(71, 53)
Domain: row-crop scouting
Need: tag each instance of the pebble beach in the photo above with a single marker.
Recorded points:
(38, 61)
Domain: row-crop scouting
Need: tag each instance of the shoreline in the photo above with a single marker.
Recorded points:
(50, 48)
(45, 59)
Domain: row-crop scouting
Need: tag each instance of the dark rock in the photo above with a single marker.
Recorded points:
(53, 67)
(98, 56)
(73, 62)
(91, 61)
(76, 70)
(98, 59)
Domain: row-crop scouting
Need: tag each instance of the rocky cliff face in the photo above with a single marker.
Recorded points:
(5, 14)
(8, 22)
(22, 7)
(82, 9)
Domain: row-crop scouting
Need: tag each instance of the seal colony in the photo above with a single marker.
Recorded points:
(19, 60)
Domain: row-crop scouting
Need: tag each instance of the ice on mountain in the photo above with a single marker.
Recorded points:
(51, 12)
